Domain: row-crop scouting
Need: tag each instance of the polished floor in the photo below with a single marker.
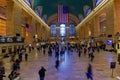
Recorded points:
(71, 66)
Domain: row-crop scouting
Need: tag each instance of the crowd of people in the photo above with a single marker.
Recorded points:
(59, 50)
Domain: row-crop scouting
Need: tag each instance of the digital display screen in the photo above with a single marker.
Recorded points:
(62, 30)
(109, 42)
(98, 2)
(53, 30)
(72, 30)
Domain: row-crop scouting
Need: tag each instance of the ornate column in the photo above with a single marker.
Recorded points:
(96, 26)
(116, 18)
(13, 18)
(33, 29)
(82, 32)
(110, 21)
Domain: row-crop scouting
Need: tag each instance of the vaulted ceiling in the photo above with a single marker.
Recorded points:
(49, 8)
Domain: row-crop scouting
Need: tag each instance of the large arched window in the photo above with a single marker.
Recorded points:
(80, 17)
(28, 3)
(53, 30)
(71, 30)
(62, 30)
(97, 2)
(37, 12)
(87, 10)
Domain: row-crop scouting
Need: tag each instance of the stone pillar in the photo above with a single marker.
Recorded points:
(92, 29)
(96, 26)
(82, 32)
(13, 18)
(109, 24)
(29, 36)
(110, 21)
(39, 31)
(48, 34)
(88, 30)
(44, 32)
(17, 19)
(10, 20)
(33, 28)
(78, 32)
(116, 17)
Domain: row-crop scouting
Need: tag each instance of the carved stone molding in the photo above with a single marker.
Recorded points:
(53, 19)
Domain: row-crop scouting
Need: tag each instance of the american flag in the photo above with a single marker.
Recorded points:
(62, 14)
(28, 28)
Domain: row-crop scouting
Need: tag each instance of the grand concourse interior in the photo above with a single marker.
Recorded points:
(32, 26)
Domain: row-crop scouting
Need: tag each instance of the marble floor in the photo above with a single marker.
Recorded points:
(71, 66)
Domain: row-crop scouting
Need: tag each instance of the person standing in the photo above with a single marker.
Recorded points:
(42, 73)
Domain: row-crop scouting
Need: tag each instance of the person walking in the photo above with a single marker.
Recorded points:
(42, 73)
(2, 71)
(26, 56)
(80, 51)
(12, 76)
(89, 72)
(57, 64)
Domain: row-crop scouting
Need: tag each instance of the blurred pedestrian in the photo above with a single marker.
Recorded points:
(26, 56)
(42, 73)
(57, 64)
(12, 76)
(2, 70)
(89, 72)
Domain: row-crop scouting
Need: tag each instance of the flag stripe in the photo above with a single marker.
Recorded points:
(29, 29)
(62, 14)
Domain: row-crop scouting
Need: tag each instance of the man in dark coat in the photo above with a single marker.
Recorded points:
(42, 73)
